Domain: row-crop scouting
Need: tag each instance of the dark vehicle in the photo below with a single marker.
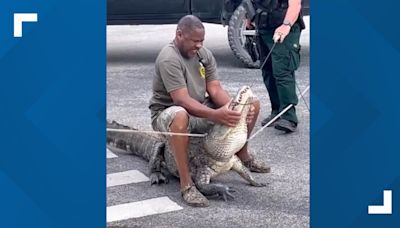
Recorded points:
(225, 12)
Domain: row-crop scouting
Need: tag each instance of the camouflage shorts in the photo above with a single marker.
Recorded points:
(196, 124)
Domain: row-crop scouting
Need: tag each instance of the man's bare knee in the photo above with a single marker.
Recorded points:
(180, 122)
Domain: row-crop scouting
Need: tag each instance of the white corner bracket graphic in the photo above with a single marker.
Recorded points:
(386, 208)
(22, 17)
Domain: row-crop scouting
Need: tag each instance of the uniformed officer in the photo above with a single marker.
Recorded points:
(280, 22)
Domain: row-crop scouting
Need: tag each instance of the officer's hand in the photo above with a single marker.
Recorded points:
(280, 33)
(226, 116)
(250, 114)
(249, 24)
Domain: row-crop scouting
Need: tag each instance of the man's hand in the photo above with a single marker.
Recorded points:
(250, 114)
(226, 116)
(250, 24)
(291, 16)
(280, 33)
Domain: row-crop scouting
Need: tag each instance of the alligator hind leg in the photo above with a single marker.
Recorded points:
(158, 174)
(245, 173)
(212, 190)
(156, 159)
(147, 146)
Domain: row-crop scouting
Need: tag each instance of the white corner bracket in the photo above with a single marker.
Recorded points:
(22, 17)
(386, 208)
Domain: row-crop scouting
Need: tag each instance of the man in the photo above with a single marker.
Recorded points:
(185, 73)
(280, 22)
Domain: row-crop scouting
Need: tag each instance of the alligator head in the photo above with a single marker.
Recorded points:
(242, 101)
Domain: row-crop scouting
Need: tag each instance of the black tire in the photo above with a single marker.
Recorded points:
(243, 47)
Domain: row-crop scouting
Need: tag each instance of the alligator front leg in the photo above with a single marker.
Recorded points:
(212, 190)
(245, 173)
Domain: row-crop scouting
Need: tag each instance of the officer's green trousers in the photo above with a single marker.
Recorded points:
(278, 72)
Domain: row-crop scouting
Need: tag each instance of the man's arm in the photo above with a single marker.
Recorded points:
(293, 11)
(222, 115)
(182, 98)
(291, 16)
(217, 94)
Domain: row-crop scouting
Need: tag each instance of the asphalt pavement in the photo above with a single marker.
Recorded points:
(284, 202)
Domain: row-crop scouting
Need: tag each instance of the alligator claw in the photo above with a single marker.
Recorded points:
(227, 195)
(214, 196)
(257, 184)
(158, 178)
(222, 192)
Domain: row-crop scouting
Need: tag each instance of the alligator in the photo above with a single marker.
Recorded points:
(209, 156)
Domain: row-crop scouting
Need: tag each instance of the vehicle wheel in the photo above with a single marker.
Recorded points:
(242, 40)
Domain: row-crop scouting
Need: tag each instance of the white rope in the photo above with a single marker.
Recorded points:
(277, 116)
(156, 132)
(205, 134)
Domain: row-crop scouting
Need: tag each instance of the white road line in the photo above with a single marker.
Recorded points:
(127, 177)
(141, 208)
(110, 154)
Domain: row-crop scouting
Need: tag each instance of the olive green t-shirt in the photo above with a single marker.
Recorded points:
(173, 71)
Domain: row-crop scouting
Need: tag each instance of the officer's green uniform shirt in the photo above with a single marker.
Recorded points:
(173, 71)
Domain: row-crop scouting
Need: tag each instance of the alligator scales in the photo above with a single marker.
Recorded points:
(208, 156)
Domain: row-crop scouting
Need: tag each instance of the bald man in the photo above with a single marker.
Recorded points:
(185, 72)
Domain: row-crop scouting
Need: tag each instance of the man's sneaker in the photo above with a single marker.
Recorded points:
(257, 166)
(269, 118)
(193, 197)
(285, 125)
